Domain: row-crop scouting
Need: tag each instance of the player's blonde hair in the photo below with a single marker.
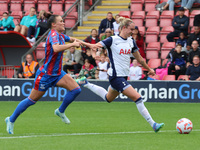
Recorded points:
(124, 22)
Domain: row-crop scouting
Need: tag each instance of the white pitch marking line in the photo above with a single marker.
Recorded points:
(72, 134)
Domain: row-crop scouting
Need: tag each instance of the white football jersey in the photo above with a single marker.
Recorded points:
(119, 50)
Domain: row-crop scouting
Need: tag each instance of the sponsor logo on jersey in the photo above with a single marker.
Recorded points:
(125, 51)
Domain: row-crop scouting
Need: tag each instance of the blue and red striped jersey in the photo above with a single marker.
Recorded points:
(53, 61)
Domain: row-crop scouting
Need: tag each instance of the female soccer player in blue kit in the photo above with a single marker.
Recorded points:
(51, 73)
(120, 48)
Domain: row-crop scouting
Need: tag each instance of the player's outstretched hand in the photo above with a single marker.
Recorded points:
(76, 43)
(151, 72)
(94, 47)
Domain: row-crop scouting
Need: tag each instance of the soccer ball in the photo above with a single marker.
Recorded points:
(184, 126)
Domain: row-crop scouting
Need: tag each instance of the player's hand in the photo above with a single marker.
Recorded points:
(151, 72)
(76, 43)
(177, 67)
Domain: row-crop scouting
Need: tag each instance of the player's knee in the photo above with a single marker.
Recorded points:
(76, 91)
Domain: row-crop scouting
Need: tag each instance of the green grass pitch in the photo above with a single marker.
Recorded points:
(99, 126)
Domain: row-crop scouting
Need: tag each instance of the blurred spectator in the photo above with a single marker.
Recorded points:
(139, 41)
(40, 27)
(26, 22)
(87, 70)
(89, 56)
(93, 39)
(73, 60)
(108, 33)
(6, 22)
(188, 3)
(28, 68)
(106, 23)
(180, 24)
(171, 4)
(194, 51)
(194, 70)
(178, 63)
(182, 40)
(108, 60)
(102, 68)
(116, 25)
(194, 36)
(135, 71)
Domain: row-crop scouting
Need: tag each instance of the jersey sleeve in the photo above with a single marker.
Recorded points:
(67, 38)
(135, 47)
(54, 38)
(107, 42)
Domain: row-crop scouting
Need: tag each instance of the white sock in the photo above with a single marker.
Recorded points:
(144, 112)
(97, 90)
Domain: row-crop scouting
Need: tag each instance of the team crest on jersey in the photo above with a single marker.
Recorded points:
(125, 51)
(42, 86)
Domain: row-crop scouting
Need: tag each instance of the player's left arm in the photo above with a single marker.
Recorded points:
(143, 63)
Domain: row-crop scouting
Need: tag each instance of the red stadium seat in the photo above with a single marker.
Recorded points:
(169, 77)
(16, 21)
(28, 5)
(152, 34)
(164, 54)
(193, 13)
(43, 5)
(136, 5)
(192, 30)
(62, 1)
(168, 46)
(68, 4)
(152, 54)
(153, 46)
(16, 6)
(56, 6)
(164, 61)
(138, 18)
(40, 53)
(142, 30)
(9, 73)
(70, 21)
(4, 6)
(60, 13)
(16, 14)
(152, 18)
(150, 4)
(164, 32)
(154, 63)
(126, 14)
(166, 18)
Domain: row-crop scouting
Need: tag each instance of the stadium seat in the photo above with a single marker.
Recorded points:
(126, 14)
(164, 54)
(152, 54)
(153, 46)
(152, 34)
(193, 13)
(40, 50)
(138, 18)
(70, 21)
(15, 6)
(169, 77)
(136, 5)
(168, 46)
(62, 1)
(152, 18)
(150, 5)
(164, 61)
(56, 6)
(9, 73)
(4, 6)
(28, 5)
(154, 63)
(16, 21)
(60, 13)
(68, 4)
(142, 30)
(43, 5)
(16, 14)
(164, 32)
(192, 30)
(166, 18)
(186, 13)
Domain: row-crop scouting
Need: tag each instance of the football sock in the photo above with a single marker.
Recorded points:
(21, 107)
(143, 111)
(97, 90)
(69, 97)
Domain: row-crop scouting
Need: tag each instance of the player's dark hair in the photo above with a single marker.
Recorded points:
(51, 19)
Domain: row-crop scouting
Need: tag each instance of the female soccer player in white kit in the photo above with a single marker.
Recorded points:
(120, 48)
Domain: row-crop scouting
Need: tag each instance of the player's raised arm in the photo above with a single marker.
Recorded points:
(143, 63)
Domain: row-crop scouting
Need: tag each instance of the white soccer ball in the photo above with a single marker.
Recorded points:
(184, 126)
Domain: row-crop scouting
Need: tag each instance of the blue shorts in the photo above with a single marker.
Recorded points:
(43, 81)
(119, 83)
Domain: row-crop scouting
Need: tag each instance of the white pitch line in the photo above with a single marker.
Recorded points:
(73, 134)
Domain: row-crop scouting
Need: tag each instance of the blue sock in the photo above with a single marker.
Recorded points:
(21, 107)
(69, 97)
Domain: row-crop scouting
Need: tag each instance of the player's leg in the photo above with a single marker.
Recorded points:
(136, 97)
(24, 30)
(17, 28)
(21, 107)
(74, 90)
